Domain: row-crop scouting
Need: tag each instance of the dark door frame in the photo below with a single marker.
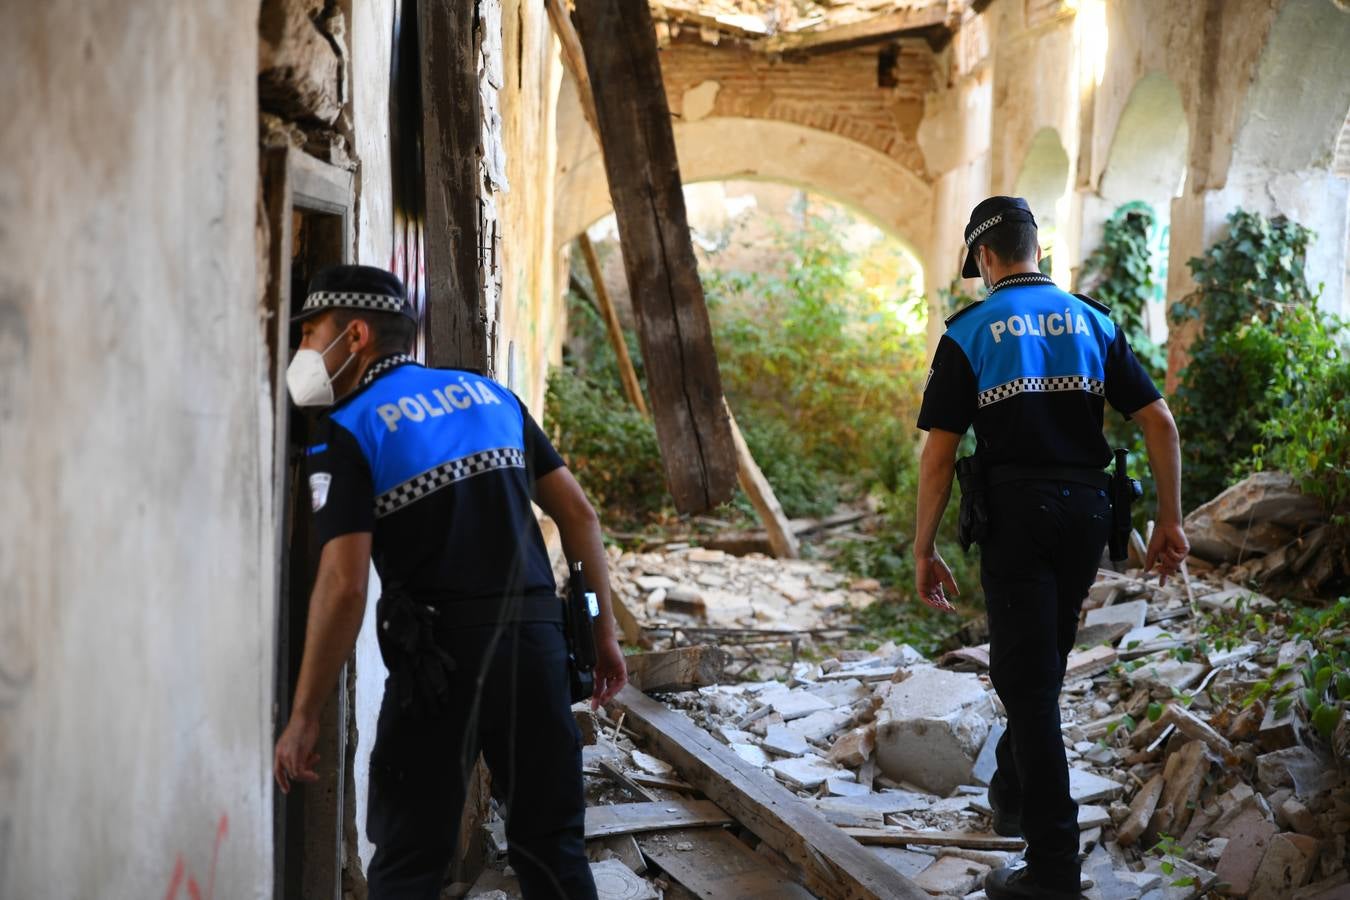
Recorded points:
(309, 825)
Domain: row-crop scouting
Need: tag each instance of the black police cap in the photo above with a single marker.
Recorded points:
(362, 288)
(989, 214)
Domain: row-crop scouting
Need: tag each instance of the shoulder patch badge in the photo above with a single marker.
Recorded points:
(318, 489)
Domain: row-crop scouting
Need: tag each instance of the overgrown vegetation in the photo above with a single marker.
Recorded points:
(822, 360)
(1263, 354)
(1120, 274)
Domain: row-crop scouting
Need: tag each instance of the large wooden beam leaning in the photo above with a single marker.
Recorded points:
(683, 382)
(456, 325)
(627, 374)
(833, 864)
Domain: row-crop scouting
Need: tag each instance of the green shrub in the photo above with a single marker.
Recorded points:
(1262, 347)
(609, 447)
(817, 353)
(1311, 440)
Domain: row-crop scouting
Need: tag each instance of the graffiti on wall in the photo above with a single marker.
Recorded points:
(183, 880)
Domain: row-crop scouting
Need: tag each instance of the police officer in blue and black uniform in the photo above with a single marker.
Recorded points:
(1031, 367)
(431, 473)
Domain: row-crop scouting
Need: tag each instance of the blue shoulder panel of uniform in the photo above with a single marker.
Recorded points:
(415, 419)
(1033, 332)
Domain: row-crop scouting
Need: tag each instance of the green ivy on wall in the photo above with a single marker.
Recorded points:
(1264, 347)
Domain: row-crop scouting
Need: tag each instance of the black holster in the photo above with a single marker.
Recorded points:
(973, 525)
(1124, 491)
(581, 608)
(419, 667)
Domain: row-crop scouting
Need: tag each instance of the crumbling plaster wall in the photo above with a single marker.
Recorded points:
(532, 312)
(136, 573)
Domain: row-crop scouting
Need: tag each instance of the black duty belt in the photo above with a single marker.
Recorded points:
(1005, 474)
(475, 613)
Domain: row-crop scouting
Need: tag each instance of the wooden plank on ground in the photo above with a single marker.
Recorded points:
(832, 863)
(900, 837)
(716, 864)
(661, 815)
(627, 375)
(451, 149)
(683, 382)
(681, 669)
(621, 777)
(782, 540)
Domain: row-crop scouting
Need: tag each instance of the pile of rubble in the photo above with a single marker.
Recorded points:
(1184, 722)
(1264, 529)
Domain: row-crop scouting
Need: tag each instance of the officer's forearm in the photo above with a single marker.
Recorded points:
(582, 542)
(335, 614)
(1164, 457)
(936, 469)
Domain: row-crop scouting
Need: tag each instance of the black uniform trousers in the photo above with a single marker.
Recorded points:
(512, 701)
(1045, 543)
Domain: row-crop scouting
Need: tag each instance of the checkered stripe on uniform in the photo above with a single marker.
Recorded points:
(433, 480)
(1015, 280)
(353, 300)
(385, 365)
(1042, 385)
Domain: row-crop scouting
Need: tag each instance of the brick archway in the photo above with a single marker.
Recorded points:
(715, 149)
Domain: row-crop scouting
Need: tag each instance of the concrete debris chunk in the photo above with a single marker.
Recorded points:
(951, 876)
(1132, 613)
(931, 729)
(808, 772)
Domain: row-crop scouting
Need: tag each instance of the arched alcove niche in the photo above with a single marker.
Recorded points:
(1044, 182)
(1147, 164)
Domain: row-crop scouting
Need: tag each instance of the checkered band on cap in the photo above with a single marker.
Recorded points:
(1041, 385)
(353, 300)
(445, 474)
(982, 228)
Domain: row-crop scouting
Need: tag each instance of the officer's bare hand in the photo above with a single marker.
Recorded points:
(932, 579)
(611, 673)
(295, 756)
(1167, 549)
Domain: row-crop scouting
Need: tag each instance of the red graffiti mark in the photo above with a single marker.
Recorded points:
(180, 872)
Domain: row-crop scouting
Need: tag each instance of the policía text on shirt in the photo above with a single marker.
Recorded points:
(417, 407)
(1052, 325)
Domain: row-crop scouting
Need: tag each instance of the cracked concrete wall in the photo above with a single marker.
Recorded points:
(136, 573)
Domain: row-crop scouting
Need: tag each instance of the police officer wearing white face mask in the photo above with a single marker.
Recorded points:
(1031, 369)
(430, 474)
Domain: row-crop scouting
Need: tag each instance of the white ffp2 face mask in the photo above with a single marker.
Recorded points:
(307, 377)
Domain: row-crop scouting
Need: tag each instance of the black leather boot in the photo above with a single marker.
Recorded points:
(1007, 883)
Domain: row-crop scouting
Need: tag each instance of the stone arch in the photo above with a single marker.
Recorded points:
(724, 148)
(1148, 153)
(1147, 163)
(1044, 182)
(1292, 125)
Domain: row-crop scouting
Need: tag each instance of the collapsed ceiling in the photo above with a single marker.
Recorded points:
(779, 26)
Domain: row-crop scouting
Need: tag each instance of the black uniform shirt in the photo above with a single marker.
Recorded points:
(440, 465)
(1031, 367)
